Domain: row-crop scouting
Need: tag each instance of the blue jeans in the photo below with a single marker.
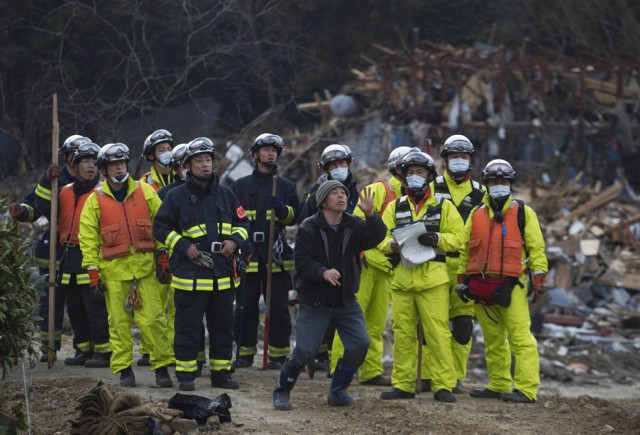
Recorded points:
(311, 324)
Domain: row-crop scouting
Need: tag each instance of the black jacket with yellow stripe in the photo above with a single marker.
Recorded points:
(254, 192)
(192, 214)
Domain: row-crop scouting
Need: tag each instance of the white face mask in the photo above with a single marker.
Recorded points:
(165, 159)
(184, 174)
(499, 191)
(339, 174)
(120, 178)
(415, 182)
(458, 166)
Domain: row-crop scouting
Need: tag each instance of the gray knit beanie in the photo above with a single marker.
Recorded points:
(326, 188)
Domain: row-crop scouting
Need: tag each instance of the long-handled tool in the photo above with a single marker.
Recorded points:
(419, 371)
(53, 235)
(267, 314)
(241, 270)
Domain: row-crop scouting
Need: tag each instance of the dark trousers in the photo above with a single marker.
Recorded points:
(280, 319)
(311, 324)
(87, 314)
(217, 306)
(44, 312)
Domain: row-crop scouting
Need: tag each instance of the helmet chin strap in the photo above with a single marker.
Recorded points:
(120, 178)
(269, 165)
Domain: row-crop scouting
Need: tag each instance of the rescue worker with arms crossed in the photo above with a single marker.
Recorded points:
(457, 186)
(422, 292)
(118, 251)
(503, 240)
(254, 192)
(375, 279)
(87, 310)
(203, 223)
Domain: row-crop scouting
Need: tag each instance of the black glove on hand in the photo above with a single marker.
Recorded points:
(276, 203)
(428, 239)
(462, 290)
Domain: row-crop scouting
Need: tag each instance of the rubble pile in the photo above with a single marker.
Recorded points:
(589, 324)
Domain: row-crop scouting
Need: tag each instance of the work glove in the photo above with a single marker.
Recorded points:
(538, 284)
(276, 203)
(52, 172)
(15, 211)
(163, 273)
(462, 289)
(95, 282)
(428, 239)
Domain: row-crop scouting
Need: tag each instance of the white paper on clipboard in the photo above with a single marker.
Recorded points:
(413, 253)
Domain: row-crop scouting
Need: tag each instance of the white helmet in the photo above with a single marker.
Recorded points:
(334, 153)
(395, 157)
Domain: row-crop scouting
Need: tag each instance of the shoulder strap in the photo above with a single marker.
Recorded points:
(521, 217)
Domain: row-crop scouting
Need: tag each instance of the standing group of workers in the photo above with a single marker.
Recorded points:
(167, 251)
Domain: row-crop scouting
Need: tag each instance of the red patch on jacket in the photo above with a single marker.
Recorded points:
(240, 212)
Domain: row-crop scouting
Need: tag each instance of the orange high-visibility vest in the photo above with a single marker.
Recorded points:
(123, 224)
(486, 244)
(69, 213)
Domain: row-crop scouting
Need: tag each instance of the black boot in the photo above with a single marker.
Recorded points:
(98, 360)
(341, 380)
(517, 396)
(396, 394)
(79, 359)
(276, 363)
(244, 361)
(127, 378)
(185, 381)
(283, 390)
(198, 371)
(163, 380)
(144, 360)
(222, 379)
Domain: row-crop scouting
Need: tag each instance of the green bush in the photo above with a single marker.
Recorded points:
(17, 297)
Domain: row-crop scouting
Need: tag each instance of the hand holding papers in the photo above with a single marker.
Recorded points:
(413, 253)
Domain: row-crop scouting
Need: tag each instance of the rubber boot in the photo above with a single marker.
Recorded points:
(283, 390)
(127, 378)
(163, 380)
(186, 381)
(341, 380)
(78, 359)
(222, 379)
(98, 360)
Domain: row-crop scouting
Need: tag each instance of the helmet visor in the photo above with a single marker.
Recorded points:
(161, 136)
(271, 140)
(118, 151)
(499, 170)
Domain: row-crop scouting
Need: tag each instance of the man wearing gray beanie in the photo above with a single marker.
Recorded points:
(327, 259)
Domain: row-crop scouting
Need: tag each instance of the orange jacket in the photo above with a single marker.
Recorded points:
(123, 224)
(69, 214)
(489, 240)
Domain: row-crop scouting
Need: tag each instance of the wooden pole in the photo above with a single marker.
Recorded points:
(419, 371)
(267, 314)
(53, 234)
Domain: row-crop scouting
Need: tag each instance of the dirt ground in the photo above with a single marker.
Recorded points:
(589, 408)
